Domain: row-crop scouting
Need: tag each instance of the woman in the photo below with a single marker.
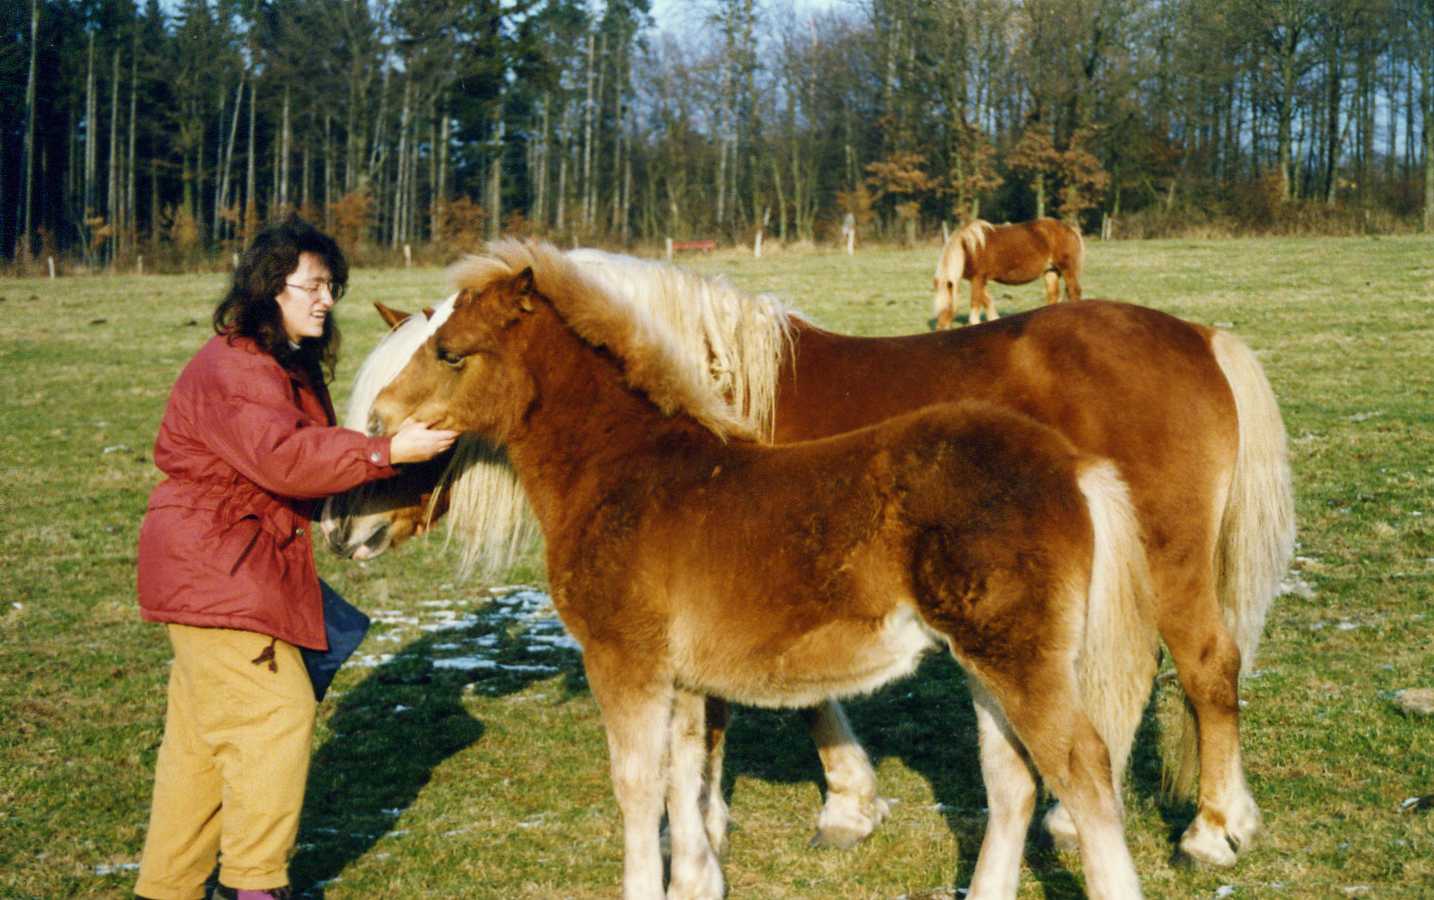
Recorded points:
(225, 560)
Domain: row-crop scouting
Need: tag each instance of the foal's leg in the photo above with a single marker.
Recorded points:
(1053, 286)
(695, 873)
(1048, 717)
(1072, 278)
(637, 713)
(852, 809)
(1208, 662)
(714, 805)
(1010, 797)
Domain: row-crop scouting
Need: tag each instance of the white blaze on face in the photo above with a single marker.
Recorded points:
(388, 359)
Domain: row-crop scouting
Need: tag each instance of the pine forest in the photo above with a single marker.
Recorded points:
(165, 132)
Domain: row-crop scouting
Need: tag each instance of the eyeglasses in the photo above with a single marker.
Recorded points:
(315, 288)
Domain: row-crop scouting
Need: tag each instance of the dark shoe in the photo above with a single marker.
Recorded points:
(224, 892)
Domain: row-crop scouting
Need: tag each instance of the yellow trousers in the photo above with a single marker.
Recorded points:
(230, 776)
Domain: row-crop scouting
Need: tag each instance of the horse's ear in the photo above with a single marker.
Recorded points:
(428, 312)
(391, 317)
(525, 286)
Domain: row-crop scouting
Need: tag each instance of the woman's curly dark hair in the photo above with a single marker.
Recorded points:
(250, 310)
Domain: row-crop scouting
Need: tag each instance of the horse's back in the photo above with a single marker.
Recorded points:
(1122, 381)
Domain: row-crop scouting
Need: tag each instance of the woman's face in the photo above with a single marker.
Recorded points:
(306, 298)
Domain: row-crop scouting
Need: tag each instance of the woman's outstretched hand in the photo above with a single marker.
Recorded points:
(415, 442)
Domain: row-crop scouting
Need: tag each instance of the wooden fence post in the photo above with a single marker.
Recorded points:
(669, 249)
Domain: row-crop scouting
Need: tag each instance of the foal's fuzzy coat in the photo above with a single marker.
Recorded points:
(689, 561)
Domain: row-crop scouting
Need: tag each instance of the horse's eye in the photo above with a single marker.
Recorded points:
(449, 358)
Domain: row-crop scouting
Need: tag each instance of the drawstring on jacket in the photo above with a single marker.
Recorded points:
(268, 656)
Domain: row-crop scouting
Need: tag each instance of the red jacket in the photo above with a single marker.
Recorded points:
(248, 447)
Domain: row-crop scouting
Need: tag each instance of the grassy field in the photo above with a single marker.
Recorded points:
(462, 756)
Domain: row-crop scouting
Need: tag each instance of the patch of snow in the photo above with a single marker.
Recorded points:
(464, 662)
(111, 869)
(450, 624)
(1296, 585)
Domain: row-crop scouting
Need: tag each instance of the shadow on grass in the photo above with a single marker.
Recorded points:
(391, 731)
(407, 717)
(928, 724)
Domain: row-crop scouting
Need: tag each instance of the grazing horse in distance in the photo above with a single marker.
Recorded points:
(689, 559)
(1010, 254)
(1202, 449)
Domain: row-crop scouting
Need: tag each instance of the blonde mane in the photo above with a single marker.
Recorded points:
(973, 236)
(707, 346)
(655, 362)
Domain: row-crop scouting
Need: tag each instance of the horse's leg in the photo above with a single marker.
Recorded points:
(695, 873)
(1207, 661)
(1072, 278)
(1053, 286)
(636, 709)
(1010, 797)
(1048, 717)
(714, 805)
(852, 809)
(980, 301)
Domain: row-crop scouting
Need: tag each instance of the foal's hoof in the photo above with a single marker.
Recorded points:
(1061, 828)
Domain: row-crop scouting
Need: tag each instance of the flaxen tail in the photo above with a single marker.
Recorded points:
(1118, 658)
(1079, 261)
(1257, 531)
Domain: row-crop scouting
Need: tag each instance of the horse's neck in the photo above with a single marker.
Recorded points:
(587, 432)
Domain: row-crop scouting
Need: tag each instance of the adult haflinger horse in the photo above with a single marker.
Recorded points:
(1010, 254)
(689, 559)
(1202, 448)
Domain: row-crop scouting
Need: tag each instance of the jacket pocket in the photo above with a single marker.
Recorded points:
(237, 541)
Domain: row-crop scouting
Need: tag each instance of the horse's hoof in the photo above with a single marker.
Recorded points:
(1221, 845)
(706, 884)
(845, 822)
(1061, 828)
(1209, 846)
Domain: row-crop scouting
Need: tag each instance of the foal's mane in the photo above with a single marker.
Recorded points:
(731, 343)
(654, 361)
